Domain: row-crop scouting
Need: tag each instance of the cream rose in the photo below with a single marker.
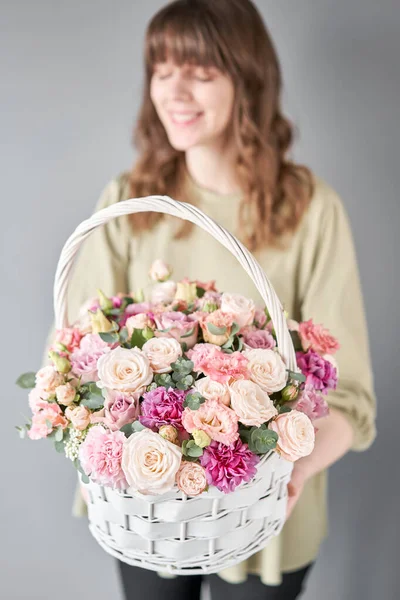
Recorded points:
(242, 308)
(150, 462)
(252, 404)
(161, 352)
(159, 270)
(126, 370)
(163, 293)
(266, 368)
(139, 321)
(48, 379)
(65, 394)
(79, 416)
(191, 478)
(213, 390)
(296, 435)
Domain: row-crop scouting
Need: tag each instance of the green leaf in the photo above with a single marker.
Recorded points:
(123, 335)
(284, 409)
(93, 401)
(27, 380)
(193, 400)
(59, 446)
(296, 376)
(78, 466)
(235, 328)
(137, 426)
(189, 333)
(22, 430)
(85, 478)
(262, 439)
(59, 434)
(49, 424)
(109, 338)
(216, 330)
(137, 339)
(195, 451)
(200, 291)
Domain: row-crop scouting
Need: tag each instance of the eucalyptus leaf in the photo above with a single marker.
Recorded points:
(27, 380)
(59, 434)
(216, 330)
(296, 376)
(59, 446)
(109, 338)
(195, 451)
(189, 333)
(92, 401)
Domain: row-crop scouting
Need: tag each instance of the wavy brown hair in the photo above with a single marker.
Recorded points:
(231, 36)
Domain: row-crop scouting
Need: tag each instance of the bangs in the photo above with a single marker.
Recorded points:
(184, 34)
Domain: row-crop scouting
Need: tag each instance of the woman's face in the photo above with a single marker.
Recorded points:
(193, 103)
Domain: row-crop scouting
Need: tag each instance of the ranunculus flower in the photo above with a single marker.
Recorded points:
(100, 455)
(218, 365)
(179, 324)
(125, 370)
(191, 478)
(320, 373)
(120, 408)
(311, 403)
(213, 390)
(317, 338)
(79, 416)
(258, 338)
(163, 293)
(150, 462)
(219, 319)
(162, 407)
(252, 404)
(159, 270)
(217, 420)
(162, 352)
(84, 360)
(52, 413)
(48, 379)
(242, 308)
(296, 435)
(229, 466)
(170, 433)
(266, 368)
(65, 394)
(140, 321)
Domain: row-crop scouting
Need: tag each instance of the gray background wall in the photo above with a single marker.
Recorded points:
(70, 89)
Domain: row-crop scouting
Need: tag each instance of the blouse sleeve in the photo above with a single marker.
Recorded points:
(102, 260)
(333, 297)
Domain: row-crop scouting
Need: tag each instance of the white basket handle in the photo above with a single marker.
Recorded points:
(182, 210)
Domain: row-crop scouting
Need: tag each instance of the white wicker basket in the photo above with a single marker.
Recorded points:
(173, 532)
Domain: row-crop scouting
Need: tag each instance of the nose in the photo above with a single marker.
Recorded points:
(180, 87)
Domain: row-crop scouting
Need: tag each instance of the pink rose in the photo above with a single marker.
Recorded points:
(48, 379)
(163, 293)
(217, 319)
(79, 416)
(258, 338)
(51, 413)
(296, 435)
(317, 338)
(84, 360)
(218, 421)
(260, 318)
(242, 308)
(178, 324)
(65, 394)
(139, 321)
(159, 270)
(191, 478)
(120, 408)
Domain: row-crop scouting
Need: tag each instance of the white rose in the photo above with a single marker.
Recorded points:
(126, 370)
(213, 390)
(252, 405)
(159, 270)
(139, 321)
(150, 462)
(296, 435)
(242, 308)
(163, 292)
(161, 352)
(48, 379)
(266, 368)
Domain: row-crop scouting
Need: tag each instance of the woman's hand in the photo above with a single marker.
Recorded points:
(295, 486)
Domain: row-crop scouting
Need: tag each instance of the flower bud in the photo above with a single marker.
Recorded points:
(290, 392)
(65, 394)
(201, 438)
(61, 363)
(209, 306)
(100, 323)
(105, 303)
(168, 432)
(159, 270)
(186, 291)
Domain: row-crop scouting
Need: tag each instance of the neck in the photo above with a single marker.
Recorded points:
(213, 168)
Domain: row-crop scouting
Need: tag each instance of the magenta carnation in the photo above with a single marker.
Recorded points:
(320, 373)
(312, 403)
(162, 407)
(228, 466)
(100, 455)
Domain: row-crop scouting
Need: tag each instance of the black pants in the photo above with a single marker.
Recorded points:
(142, 583)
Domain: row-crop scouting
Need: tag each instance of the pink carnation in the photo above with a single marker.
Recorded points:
(100, 455)
(162, 407)
(52, 413)
(228, 466)
(218, 365)
(260, 318)
(69, 337)
(258, 338)
(320, 373)
(317, 338)
(84, 360)
(311, 403)
(218, 421)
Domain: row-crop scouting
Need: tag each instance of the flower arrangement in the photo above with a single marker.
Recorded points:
(186, 389)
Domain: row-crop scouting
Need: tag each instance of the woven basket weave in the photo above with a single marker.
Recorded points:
(173, 532)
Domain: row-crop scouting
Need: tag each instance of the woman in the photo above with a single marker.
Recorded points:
(211, 132)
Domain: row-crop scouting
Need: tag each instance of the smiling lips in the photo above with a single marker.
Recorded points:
(186, 118)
